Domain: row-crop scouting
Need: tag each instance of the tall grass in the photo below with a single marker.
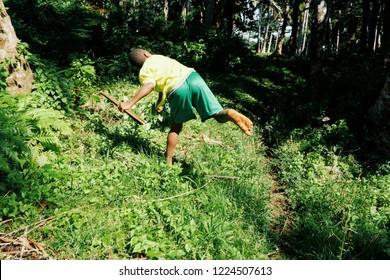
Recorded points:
(102, 189)
(338, 212)
(113, 197)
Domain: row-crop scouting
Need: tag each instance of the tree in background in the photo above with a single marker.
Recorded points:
(280, 41)
(20, 75)
(299, 26)
(370, 24)
(319, 31)
(378, 126)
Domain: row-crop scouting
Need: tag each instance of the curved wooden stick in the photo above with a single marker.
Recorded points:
(133, 115)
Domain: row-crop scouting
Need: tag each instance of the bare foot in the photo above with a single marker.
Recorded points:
(243, 122)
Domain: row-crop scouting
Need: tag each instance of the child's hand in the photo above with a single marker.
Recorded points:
(123, 106)
(160, 109)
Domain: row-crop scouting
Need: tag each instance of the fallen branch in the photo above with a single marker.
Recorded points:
(21, 248)
(36, 225)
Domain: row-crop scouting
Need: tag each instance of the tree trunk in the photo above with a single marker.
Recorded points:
(319, 29)
(303, 34)
(185, 11)
(223, 15)
(379, 30)
(386, 21)
(376, 24)
(229, 15)
(259, 43)
(166, 9)
(295, 25)
(373, 26)
(279, 47)
(20, 75)
(210, 8)
(352, 29)
(338, 31)
(364, 28)
(267, 29)
(377, 138)
(219, 11)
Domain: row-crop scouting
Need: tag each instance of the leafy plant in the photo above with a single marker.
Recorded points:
(335, 210)
(64, 89)
(30, 139)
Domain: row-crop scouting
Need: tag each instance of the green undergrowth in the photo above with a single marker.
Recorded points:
(87, 182)
(336, 209)
(108, 194)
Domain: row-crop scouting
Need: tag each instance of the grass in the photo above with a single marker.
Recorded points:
(294, 190)
(113, 197)
(338, 211)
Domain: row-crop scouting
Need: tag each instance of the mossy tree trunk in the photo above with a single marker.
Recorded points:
(20, 76)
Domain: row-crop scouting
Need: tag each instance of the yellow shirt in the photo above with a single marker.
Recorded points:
(165, 73)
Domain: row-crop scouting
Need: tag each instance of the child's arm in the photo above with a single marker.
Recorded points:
(143, 91)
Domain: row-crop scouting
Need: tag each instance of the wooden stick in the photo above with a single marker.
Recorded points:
(133, 115)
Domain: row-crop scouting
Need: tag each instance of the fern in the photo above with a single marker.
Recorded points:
(48, 120)
(12, 135)
(26, 135)
(4, 166)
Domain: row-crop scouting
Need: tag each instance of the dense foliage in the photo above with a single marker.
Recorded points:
(88, 183)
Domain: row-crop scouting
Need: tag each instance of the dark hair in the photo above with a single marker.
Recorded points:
(137, 57)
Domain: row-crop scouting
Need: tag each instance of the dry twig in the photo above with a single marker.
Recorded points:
(21, 247)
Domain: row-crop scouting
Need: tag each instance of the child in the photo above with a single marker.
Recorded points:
(184, 89)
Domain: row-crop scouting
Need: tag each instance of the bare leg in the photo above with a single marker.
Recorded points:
(172, 140)
(240, 120)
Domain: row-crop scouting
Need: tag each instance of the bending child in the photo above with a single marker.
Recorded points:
(184, 89)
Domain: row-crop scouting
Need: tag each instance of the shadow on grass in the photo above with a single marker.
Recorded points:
(117, 137)
(272, 92)
(330, 242)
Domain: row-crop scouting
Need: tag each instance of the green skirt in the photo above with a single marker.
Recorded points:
(193, 93)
